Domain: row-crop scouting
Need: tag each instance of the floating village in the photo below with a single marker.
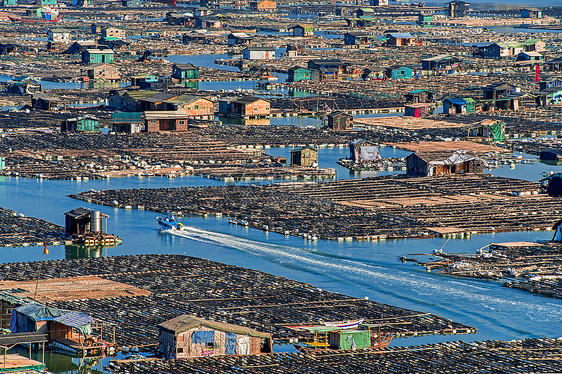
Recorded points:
(270, 186)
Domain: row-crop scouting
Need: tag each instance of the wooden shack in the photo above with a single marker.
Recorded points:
(488, 129)
(340, 121)
(248, 107)
(187, 336)
(429, 164)
(165, 120)
(304, 156)
(420, 96)
(364, 151)
(419, 110)
(350, 339)
(107, 72)
(81, 220)
(85, 123)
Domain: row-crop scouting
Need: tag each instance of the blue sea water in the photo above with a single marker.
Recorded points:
(359, 269)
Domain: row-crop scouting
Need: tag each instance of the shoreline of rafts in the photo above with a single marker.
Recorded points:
(395, 207)
(219, 292)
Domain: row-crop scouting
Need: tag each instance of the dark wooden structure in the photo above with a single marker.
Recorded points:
(304, 156)
(340, 121)
(429, 164)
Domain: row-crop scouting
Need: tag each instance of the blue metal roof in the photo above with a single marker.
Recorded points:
(457, 101)
(401, 35)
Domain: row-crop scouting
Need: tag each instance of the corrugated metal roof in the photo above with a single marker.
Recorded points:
(457, 101)
(185, 322)
(78, 212)
(74, 319)
(22, 337)
(401, 35)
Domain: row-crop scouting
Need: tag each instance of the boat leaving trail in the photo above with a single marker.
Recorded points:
(443, 295)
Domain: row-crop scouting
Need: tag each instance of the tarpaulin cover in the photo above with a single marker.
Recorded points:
(230, 343)
(40, 312)
(203, 337)
(497, 131)
(78, 320)
(24, 318)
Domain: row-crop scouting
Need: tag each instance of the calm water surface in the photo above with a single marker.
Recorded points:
(359, 269)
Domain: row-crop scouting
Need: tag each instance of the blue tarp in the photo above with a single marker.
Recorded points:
(203, 337)
(25, 318)
(457, 101)
(230, 343)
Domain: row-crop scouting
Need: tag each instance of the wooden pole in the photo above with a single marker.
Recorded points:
(39, 274)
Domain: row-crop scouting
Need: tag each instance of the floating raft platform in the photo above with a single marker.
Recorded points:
(502, 357)
(381, 208)
(534, 267)
(136, 293)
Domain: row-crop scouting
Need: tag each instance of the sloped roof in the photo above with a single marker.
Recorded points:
(74, 319)
(303, 148)
(105, 50)
(447, 158)
(59, 31)
(185, 99)
(295, 68)
(186, 66)
(439, 58)
(165, 114)
(401, 35)
(457, 101)
(531, 41)
(248, 100)
(140, 94)
(333, 61)
(40, 312)
(159, 97)
(185, 322)
(260, 49)
(509, 44)
(78, 212)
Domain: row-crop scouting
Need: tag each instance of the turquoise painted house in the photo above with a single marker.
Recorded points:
(97, 56)
(85, 123)
(297, 74)
(9, 2)
(398, 72)
(185, 71)
(46, 2)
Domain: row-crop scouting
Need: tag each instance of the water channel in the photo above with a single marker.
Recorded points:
(359, 269)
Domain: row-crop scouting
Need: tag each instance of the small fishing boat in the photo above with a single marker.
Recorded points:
(169, 222)
(238, 222)
(345, 324)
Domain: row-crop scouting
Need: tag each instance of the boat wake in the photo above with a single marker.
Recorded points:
(483, 303)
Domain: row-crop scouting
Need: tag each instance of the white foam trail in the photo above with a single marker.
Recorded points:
(446, 290)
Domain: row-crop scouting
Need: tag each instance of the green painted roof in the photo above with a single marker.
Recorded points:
(510, 44)
(141, 94)
(531, 41)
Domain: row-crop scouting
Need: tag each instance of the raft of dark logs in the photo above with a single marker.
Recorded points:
(219, 292)
(16, 230)
(488, 357)
(528, 266)
(367, 209)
